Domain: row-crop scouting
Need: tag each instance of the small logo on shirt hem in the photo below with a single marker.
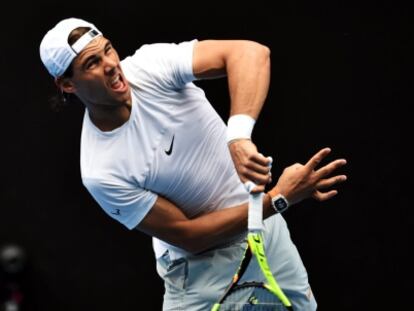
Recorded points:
(117, 212)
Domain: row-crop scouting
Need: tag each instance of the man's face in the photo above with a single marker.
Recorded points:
(97, 76)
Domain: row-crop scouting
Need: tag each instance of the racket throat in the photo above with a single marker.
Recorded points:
(256, 246)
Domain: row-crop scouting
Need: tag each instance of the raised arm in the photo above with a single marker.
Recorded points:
(247, 66)
(298, 182)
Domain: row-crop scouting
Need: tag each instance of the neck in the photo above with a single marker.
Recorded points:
(108, 118)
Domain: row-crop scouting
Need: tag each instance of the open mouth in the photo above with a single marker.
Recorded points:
(118, 84)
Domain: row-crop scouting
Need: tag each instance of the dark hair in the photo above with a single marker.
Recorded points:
(62, 99)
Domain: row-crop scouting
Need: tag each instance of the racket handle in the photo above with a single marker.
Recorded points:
(255, 216)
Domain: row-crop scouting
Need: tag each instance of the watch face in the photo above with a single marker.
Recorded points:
(280, 204)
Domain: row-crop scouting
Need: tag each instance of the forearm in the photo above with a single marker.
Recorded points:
(248, 73)
(166, 222)
(213, 228)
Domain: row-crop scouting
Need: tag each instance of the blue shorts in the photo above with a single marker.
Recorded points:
(195, 283)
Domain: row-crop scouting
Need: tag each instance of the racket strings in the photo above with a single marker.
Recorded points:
(251, 298)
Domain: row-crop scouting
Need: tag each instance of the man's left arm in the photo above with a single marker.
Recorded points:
(247, 66)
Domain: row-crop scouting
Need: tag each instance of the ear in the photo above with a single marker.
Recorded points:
(65, 85)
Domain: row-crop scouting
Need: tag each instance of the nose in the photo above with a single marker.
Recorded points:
(109, 65)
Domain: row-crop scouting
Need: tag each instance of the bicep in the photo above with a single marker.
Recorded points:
(209, 58)
(212, 57)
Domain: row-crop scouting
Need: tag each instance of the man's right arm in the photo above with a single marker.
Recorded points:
(247, 66)
(298, 182)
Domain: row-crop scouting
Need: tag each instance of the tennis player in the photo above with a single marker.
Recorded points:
(158, 158)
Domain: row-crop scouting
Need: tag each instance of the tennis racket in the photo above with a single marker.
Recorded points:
(254, 296)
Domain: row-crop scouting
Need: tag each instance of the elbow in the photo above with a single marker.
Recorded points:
(264, 51)
(258, 51)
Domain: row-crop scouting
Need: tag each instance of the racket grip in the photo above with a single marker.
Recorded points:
(255, 216)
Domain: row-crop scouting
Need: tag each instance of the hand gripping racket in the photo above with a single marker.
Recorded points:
(254, 296)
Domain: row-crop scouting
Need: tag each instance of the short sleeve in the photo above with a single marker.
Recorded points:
(125, 203)
(171, 64)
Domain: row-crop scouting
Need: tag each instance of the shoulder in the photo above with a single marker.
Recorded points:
(161, 49)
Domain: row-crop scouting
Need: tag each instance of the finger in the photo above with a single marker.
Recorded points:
(329, 182)
(323, 196)
(317, 158)
(260, 159)
(330, 167)
(258, 179)
(261, 169)
(258, 189)
(251, 187)
(248, 175)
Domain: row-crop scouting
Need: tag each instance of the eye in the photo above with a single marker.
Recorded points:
(108, 49)
(91, 63)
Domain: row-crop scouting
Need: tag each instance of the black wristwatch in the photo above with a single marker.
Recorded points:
(279, 203)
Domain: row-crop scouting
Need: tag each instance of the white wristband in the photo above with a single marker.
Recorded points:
(239, 126)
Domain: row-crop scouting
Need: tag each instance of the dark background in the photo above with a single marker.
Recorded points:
(341, 77)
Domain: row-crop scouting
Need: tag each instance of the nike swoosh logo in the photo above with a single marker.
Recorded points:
(169, 151)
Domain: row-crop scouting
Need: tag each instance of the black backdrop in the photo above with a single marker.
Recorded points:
(341, 77)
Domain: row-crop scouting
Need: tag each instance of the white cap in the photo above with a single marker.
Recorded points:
(55, 51)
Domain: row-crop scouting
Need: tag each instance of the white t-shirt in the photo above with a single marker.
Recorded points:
(173, 145)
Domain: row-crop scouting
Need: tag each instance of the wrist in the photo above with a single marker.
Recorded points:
(278, 202)
(275, 191)
(268, 209)
(239, 126)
